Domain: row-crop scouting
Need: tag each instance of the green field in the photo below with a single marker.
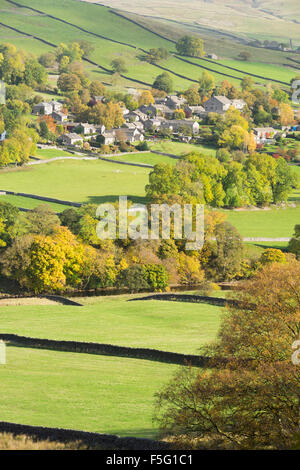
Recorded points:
(81, 391)
(44, 154)
(90, 392)
(274, 223)
(29, 203)
(169, 326)
(99, 181)
(270, 71)
(180, 148)
(147, 158)
(78, 181)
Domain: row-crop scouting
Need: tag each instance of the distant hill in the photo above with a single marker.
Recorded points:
(260, 19)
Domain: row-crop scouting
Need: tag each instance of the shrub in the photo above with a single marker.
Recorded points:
(271, 255)
(156, 276)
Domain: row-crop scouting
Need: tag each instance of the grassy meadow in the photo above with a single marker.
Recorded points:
(90, 392)
(272, 223)
(168, 326)
(103, 181)
(81, 391)
(30, 203)
(180, 148)
(78, 181)
(146, 158)
(45, 154)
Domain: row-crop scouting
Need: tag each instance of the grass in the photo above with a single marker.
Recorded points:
(237, 18)
(169, 326)
(10, 442)
(147, 158)
(101, 20)
(81, 391)
(274, 223)
(29, 203)
(44, 154)
(180, 148)
(261, 246)
(258, 68)
(78, 181)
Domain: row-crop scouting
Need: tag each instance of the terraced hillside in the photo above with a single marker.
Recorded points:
(263, 19)
(41, 25)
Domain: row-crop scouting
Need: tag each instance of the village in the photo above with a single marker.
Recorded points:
(157, 120)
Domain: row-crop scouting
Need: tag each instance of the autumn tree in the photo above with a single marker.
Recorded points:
(69, 82)
(249, 399)
(294, 244)
(146, 98)
(46, 263)
(286, 114)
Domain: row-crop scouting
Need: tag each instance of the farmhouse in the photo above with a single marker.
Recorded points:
(136, 116)
(150, 110)
(176, 124)
(59, 117)
(212, 56)
(71, 139)
(217, 104)
(175, 102)
(153, 123)
(129, 135)
(88, 129)
(108, 137)
(164, 110)
(134, 125)
(42, 109)
(198, 111)
(221, 104)
(45, 109)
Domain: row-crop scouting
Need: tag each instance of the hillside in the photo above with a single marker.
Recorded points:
(262, 19)
(38, 26)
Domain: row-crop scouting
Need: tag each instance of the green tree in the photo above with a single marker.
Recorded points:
(119, 65)
(133, 278)
(190, 46)
(251, 401)
(206, 83)
(163, 82)
(228, 254)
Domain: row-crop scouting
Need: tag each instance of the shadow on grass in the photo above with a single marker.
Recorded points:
(144, 433)
(276, 247)
(115, 198)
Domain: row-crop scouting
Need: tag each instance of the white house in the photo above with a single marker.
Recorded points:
(263, 134)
